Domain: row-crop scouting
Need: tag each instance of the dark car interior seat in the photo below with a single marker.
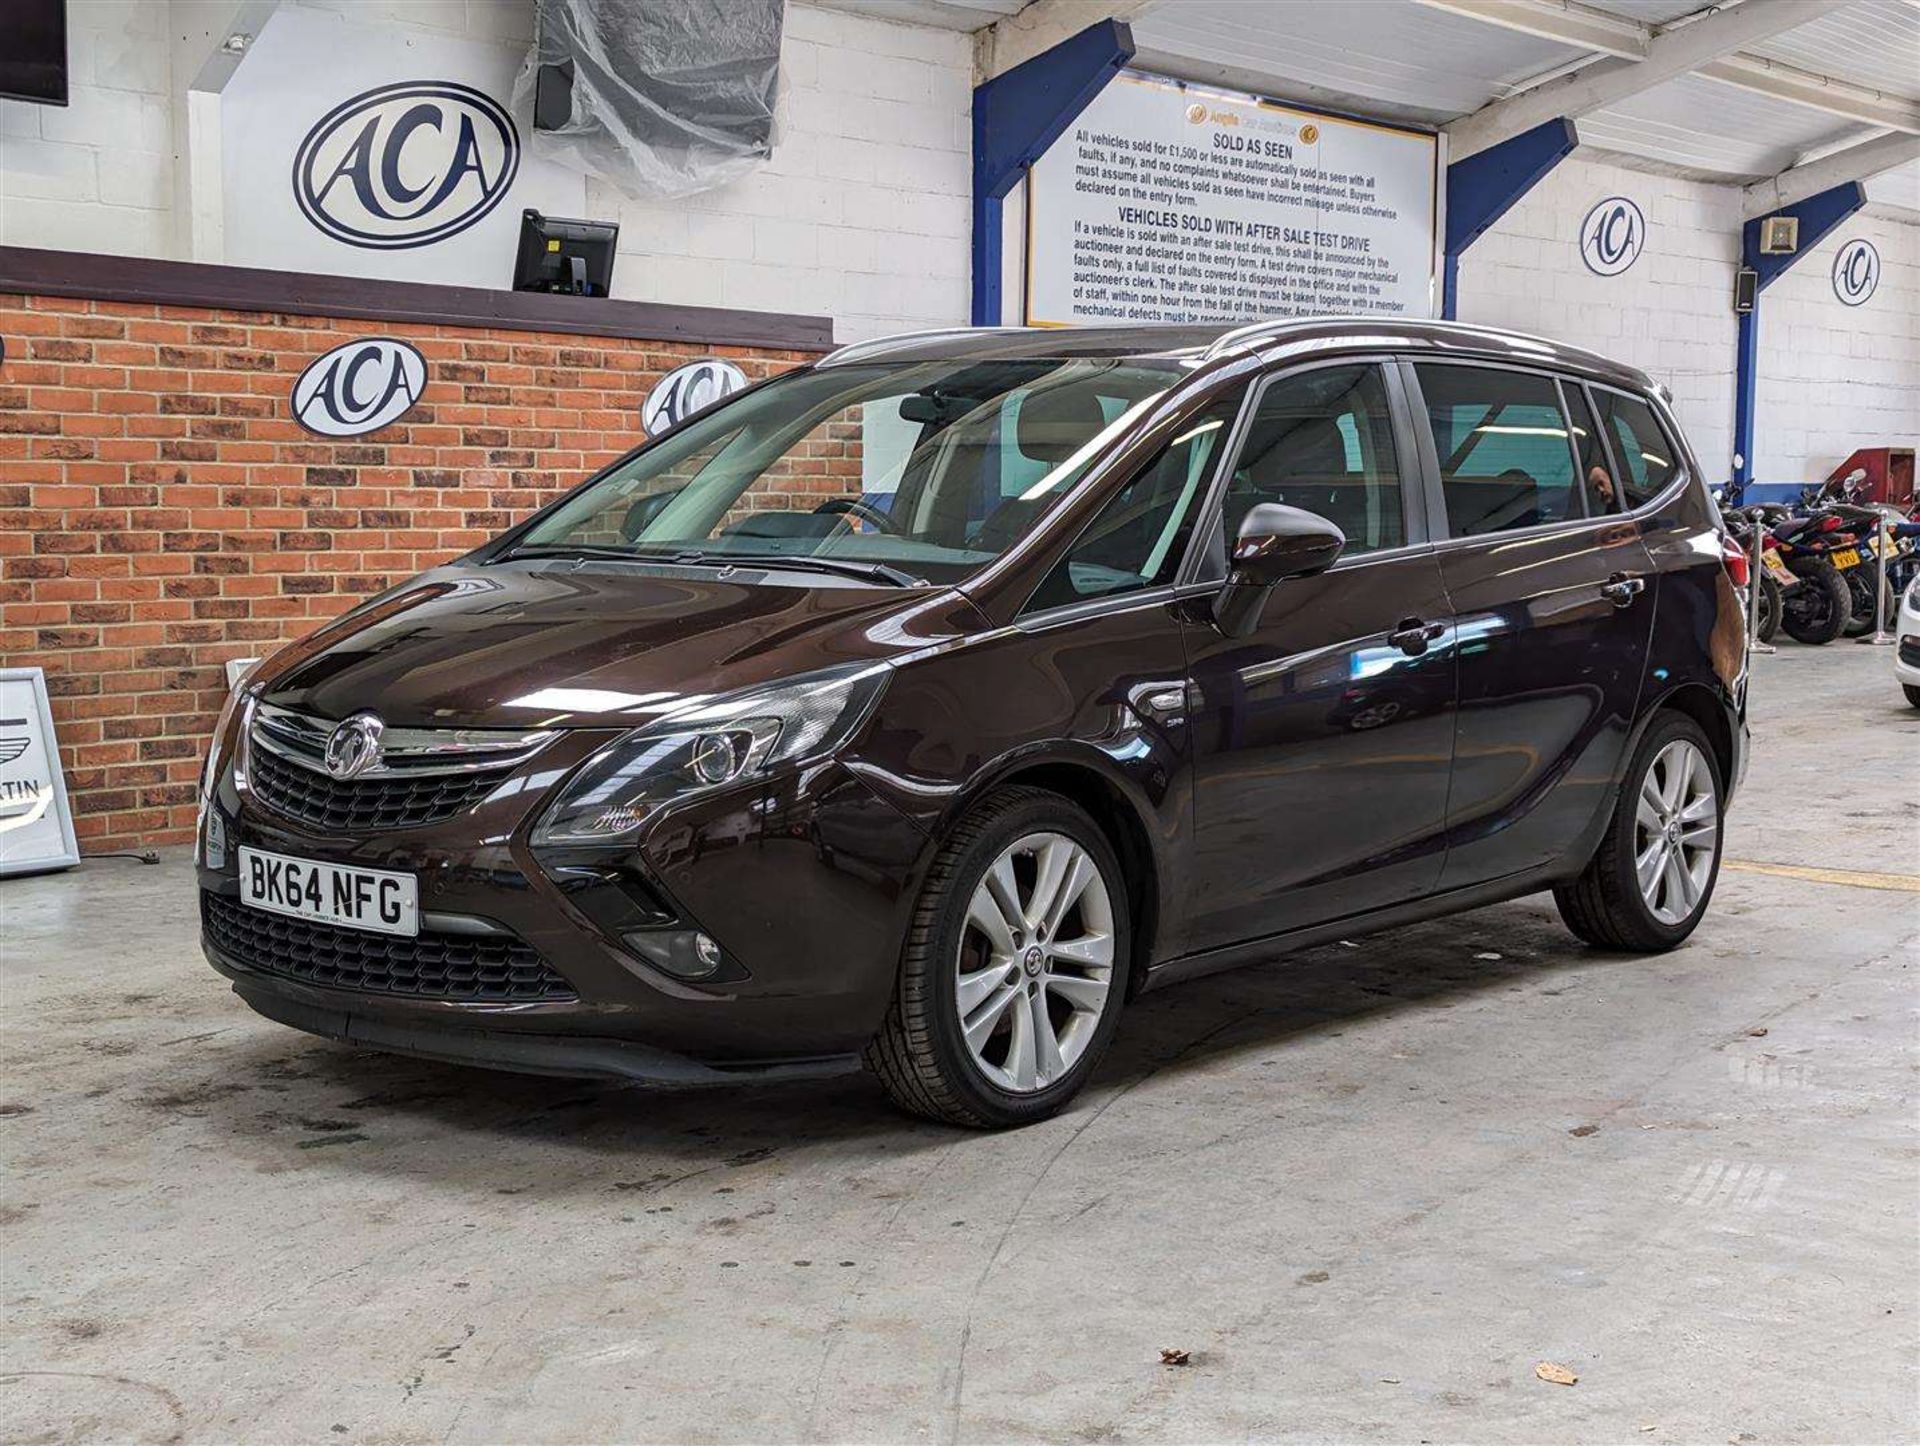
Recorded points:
(1303, 464)
(1051, 425)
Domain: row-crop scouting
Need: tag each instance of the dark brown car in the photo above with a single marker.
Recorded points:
(924, 705)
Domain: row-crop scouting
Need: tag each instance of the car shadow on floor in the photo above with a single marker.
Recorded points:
(356, 1107)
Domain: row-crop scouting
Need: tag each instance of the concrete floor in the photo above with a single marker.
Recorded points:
(1368, 1189)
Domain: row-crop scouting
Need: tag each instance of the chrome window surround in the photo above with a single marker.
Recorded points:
(404, 752)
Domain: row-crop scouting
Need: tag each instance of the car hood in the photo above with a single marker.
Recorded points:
(565, 644)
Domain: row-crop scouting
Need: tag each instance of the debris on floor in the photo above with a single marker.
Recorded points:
(1174, 1356)
(1556, 1373)
(1584, 1130)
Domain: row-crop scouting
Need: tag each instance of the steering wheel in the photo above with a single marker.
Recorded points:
(853, 507)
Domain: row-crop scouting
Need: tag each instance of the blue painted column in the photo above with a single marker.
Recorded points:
(1016, 116)
(1484, 187)
(1818, 216)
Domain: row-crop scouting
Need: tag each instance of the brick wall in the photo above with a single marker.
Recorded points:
(161, 511)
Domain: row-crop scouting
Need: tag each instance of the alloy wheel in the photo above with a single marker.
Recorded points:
(1035, 964)
(1676, 831)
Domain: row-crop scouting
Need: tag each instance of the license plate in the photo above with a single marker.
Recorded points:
(1849, 558)
(1779, 571)
(372, 899)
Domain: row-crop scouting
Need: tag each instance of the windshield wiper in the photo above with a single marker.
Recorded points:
(571, 549)
(872, 571)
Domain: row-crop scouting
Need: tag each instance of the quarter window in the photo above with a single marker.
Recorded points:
(1590, 455)
(1506, 461)
(1647, 459)
(1138, 539)
(1322, 440)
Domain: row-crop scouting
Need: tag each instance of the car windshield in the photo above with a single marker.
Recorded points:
(891, 471)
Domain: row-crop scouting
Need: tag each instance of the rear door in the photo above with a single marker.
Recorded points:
(1321, 741)
(1551, 589)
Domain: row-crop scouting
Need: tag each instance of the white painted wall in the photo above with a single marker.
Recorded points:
(862, 214)
(1836, 377)
(98, 174)
(1670, 313)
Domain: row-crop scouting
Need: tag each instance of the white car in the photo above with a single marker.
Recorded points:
(1906, 657)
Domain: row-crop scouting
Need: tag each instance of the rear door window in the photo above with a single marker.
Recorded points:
(1648, 460)
(1504, 446)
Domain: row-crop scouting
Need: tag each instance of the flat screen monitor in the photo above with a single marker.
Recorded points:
(33, 51)
(574, 257)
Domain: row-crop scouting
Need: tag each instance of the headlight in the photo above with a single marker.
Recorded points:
(708, 746)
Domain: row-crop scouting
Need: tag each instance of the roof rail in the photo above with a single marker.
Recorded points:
(879, 345)
(1242, 337)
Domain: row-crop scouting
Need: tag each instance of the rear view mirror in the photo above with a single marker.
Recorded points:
(1275, 542)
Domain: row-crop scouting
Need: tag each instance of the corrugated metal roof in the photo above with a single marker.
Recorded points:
(1875, 43)
(1398, 54)
(1702, 125)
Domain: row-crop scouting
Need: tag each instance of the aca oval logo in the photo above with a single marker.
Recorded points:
(359, 387)
(406, 165)
(685, 390)
(1612, 235)
(1856, 271)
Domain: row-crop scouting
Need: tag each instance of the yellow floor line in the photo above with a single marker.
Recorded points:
(1899, 883)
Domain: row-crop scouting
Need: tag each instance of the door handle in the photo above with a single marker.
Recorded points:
(1413, 635)
(1622, 588)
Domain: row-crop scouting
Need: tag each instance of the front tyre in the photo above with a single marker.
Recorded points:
(1647, 886)
(1014, 969)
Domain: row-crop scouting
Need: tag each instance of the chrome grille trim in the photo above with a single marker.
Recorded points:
(405, 752)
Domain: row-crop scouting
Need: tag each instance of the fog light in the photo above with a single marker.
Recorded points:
(682, 953)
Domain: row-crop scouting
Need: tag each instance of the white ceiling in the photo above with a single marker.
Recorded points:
(1401, 60)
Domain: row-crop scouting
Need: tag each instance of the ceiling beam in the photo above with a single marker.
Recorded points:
(1777, 81)
(1671, 52)
(1855, 163)
(1041, 25)
(1562, 21)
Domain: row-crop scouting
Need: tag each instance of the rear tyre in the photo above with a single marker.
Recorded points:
(1913, 694)
(1770, 601)
(1818, 609)
(1648, 884)
(1014, 969)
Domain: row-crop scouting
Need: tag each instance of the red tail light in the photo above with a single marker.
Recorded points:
(1734, 556)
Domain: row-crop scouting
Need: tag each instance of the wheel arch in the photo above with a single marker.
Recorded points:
(1124, 821)
(1706, 707)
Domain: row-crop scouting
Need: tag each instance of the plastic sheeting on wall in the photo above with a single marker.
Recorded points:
(668, 97)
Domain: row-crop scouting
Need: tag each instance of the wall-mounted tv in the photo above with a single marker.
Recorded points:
(33, 51)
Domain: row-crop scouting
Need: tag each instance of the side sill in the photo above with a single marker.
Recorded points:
(1454, 901)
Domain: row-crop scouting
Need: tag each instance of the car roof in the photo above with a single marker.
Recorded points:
(1275, 341)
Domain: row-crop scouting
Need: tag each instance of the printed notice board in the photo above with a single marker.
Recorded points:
(1168, 202)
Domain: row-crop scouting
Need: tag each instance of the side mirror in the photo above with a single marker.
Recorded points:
(1275, 543)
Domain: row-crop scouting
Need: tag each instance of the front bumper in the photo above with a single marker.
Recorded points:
(574, 1056)
(803, 881)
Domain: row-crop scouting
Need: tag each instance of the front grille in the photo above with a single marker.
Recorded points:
(431, 966)
(1910, 652)
(365, 804)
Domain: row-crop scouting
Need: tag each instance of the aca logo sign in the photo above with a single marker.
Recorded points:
(1856, 272)
(685, 390)
(359, 387)
(1612, 235)
(406, 165)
